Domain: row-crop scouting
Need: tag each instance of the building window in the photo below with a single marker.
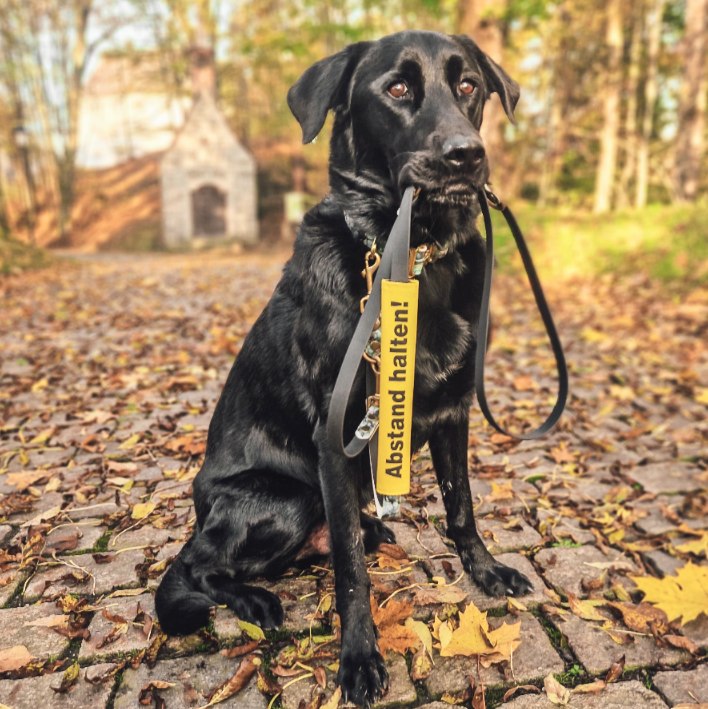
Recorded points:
(209, 211)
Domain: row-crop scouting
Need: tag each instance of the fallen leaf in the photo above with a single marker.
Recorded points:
(71, 674)
(253, 631)
(423, 632)
(584, 609)
(143, 510)
(14, 658)
(593, 688)
(637, 617)
(474, 637)
(681, 642)
(555, 691)
(615, 671)
(50, 621)
(236, 683)
(683, 596)
(421, 665)
(333, 701)
(240, 650)
(525, 687)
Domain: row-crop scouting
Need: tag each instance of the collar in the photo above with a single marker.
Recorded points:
(420, 256)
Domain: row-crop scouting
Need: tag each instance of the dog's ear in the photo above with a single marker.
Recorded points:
(321, 88)
(499, 81)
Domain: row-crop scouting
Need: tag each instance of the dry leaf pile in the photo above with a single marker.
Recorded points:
(109, 373)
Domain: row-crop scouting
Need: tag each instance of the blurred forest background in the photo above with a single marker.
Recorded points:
(606, 164)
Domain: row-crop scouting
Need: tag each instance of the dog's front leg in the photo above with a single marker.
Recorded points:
(448, 446)
(362, 673)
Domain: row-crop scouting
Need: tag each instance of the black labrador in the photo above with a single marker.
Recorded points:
(407, 111)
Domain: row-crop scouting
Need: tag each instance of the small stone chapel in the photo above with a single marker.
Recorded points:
(208, 178)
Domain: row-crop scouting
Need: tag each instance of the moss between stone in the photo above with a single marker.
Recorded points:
(101, 545)
(117, 683)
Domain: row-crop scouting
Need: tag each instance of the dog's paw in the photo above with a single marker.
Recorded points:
(258, 606)
(375, 533)
(495, 579)
(362, 676)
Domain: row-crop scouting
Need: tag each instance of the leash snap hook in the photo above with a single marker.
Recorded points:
(494, 201)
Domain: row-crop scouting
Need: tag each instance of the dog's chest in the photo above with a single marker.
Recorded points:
(446, 331)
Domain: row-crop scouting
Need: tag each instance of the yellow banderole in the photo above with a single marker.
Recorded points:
(399, 328)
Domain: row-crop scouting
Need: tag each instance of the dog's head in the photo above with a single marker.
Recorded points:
(408, 111)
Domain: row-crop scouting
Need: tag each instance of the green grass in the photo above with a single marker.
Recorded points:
(16, 256)
(566, 543)
(665, 241)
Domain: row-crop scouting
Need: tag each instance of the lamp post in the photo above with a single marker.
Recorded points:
(22, 143)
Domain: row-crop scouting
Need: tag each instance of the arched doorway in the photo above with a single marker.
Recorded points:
(208, 211)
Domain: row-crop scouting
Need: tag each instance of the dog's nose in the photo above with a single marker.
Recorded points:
(463, 151)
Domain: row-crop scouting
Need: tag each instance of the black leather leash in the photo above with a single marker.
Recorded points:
(482, 338)
(394, 265)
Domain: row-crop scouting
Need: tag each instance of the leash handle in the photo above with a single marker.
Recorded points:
(393, 261)
(485, 195)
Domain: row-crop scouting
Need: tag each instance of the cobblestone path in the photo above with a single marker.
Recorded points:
(109, 373)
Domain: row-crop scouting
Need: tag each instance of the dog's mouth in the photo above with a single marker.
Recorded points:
(452, 192)
(437, 184)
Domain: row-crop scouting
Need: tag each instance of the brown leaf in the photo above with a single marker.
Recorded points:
(157, 642)
(526, 687)
(448, 568)
(101, 558)
(68, 680)
(320, 676)
(615, 671)
(14, 658)
(681, 642)
(393, 550)
(478, 700)
(68, 542)
(638, 617)
(267, 686)
(421, 665)
(236, 683)
(146, 696)
(593, 688)
(241, 650)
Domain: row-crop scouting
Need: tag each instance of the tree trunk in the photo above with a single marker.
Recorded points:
(630, 125)
(656, 11)
(692, 103)
(610, 109)
(480, 20)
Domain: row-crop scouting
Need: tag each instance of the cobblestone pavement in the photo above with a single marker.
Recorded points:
(109, 373)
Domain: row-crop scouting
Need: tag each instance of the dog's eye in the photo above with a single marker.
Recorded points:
(466, 87)
(398, 90)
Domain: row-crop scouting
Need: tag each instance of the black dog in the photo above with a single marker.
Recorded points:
(408, 109)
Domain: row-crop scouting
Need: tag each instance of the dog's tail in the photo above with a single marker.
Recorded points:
(181, 609)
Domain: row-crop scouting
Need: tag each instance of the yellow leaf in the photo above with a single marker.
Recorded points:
(584, 609)
(555, 691)
(142, 510)
(699, 546)
(333, 701)
(130, 442)
(500, 492)
(44, 436)
(423, 632)
(41, 385)
(253, 631)
(682, 596)
(474, 636)
(701, 396)
(593, 336)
